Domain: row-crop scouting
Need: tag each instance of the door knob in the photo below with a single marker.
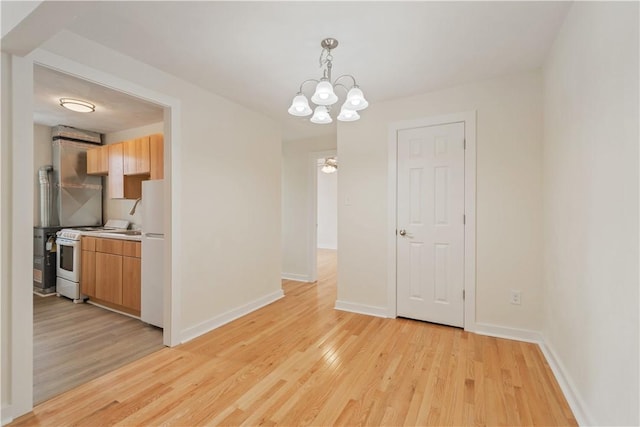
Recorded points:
(402, 232)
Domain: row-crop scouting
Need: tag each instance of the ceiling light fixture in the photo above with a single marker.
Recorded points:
(324, 96)
(330, 165)
(77, 105)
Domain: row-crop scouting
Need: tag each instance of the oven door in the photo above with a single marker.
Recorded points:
(68, 260)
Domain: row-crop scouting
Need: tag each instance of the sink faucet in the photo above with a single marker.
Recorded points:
(133, 209)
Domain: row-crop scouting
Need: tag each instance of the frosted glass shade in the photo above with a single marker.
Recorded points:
(300, 106)
(348, 115)
(355, 100)
(321, 115)
(324, 94)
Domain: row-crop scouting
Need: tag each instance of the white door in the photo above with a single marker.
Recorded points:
(430, 228)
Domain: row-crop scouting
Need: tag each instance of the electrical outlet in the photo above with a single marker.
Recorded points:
(515, 297)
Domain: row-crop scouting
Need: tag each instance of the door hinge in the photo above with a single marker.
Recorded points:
(463, 295)
(464, 219)
(464, 144)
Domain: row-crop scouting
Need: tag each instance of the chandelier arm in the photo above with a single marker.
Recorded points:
(346, 89)
(346, 75)
(307, 81)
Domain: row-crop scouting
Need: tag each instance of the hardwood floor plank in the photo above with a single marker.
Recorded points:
(74, 343)
(299, 361)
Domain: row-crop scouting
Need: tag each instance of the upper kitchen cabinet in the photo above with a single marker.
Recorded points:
(136, 156)
(156, 154)
(98, 161)
(144, 156)
(127, 164)
(120, 185)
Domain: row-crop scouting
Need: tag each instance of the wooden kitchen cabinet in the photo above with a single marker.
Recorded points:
(121, 186)
(111, 273)
(126, 164)
(109, 277)
(98, 161)
(131, 282)
(136, 156)
(156, 153)
(88, 266)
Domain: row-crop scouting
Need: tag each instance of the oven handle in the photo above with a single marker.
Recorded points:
(67, 242)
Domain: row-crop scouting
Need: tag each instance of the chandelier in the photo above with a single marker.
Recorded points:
(329, 165)
(324, 96)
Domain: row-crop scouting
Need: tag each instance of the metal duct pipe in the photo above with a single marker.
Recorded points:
(44, 174)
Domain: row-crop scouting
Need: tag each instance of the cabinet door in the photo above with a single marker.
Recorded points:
(121, 186)
(131, 282)
(98, 161)
(156, 153)
(109, 277)
(116, 171)
(136, 156)
(88, 273)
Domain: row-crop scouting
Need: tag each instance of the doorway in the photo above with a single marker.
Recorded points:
(431, 228)
(323, 207)
(20, 341)
(74, 343)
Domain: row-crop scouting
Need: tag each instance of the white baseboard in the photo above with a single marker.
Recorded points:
(231, 315)
(369, 310)
(5, 415)
(296, 277)
(576, 403)
(505, 332)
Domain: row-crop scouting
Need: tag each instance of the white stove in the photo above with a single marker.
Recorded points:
(68, 260)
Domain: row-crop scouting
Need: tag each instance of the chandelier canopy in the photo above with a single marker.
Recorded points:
(325, 97)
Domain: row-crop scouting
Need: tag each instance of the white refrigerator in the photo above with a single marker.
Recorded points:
(152, 298)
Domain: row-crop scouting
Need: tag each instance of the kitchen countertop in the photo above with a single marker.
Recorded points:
(108, 235)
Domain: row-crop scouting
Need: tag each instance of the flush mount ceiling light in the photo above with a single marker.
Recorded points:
(77, 105)
(324, 96)
(330, 165)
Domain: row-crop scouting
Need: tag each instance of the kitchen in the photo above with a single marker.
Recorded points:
(98, 231)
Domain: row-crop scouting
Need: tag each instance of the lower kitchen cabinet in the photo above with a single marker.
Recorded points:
(109, 277)
(131, 282)
(111, 273)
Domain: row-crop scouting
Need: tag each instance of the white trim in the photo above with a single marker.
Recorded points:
(469, 119)
(312, 212)
(229, 316)
(21, 250)
(297, 277)
(368, 310)
(576, 403)
(508, 333)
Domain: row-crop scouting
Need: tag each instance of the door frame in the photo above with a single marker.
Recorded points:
(469, 120)
(21, 307)
(312, 224)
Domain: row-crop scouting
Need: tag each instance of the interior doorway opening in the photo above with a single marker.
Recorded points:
(323, 208)
(74, 343)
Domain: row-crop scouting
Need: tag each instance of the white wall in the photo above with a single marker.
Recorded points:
(42, 155)
(591, 208)
(327, 209)
(5, 237)
(296, 164)
(509, 138)
(119, 208)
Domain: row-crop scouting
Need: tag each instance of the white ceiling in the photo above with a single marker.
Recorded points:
(115, 111)
(257, 53)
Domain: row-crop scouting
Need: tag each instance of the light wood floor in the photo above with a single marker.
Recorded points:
(75, 343)
(300, 362)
